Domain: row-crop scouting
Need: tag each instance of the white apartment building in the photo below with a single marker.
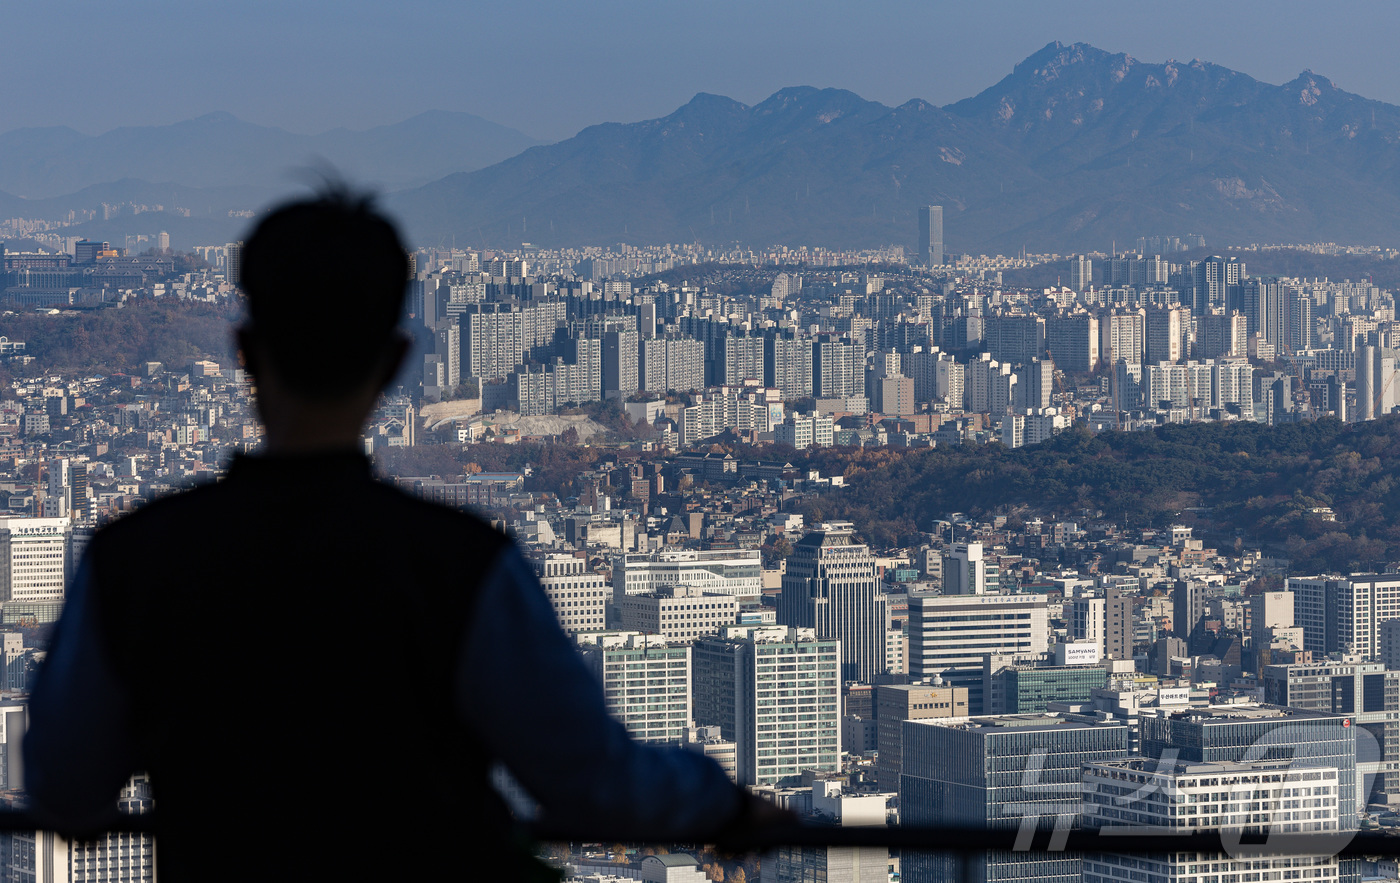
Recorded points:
(949, 380)
(646, 682)
(1201, 385)
(1041, 424)
(34, 560)
(741, 408)
(737, 572)
(990, 385)
(1165, 328)
(776, 692)
(579, 596)
(1345, 614)
(1264, 796)
(1123, 336)
(679, 614)
(802, 431)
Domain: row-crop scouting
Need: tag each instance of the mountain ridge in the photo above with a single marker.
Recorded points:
(1075, 147)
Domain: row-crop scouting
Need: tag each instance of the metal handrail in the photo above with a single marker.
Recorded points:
(941, 838)
(961, 839)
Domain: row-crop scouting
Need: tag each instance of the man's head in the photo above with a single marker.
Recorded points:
(325, 280)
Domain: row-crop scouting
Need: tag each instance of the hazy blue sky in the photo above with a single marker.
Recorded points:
(552, 67)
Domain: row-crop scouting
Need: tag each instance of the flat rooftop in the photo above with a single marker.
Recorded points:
(1236, 713)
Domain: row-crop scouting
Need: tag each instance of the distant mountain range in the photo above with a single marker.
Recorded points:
(1076, 147)
(217, 163)
(220, 150)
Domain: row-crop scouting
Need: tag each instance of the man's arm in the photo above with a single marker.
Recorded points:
(78, 751)
(525, 690)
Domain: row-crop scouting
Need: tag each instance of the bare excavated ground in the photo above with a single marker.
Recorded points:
(546, 425)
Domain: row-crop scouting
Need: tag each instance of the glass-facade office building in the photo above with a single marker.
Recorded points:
(1257, 733)
(998, 772)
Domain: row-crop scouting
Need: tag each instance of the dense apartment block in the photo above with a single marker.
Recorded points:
(776, 692)
(646, 682)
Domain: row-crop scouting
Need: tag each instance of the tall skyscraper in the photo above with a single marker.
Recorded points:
(233, 262)
(1081, 272)
(831, 586)
(931, 235)
(1215, 282)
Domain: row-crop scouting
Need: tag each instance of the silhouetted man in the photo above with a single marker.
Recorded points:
(316, 669)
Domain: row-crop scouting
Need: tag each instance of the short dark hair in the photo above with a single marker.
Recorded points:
(325, 280)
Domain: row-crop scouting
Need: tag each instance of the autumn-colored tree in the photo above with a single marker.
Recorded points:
(739, 876)
(619, 853)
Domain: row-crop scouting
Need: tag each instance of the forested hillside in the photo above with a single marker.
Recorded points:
(1258, 482)
(119, 340)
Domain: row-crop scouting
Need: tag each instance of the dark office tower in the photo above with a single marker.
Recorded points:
(621, 364)
(79, 504)
(1264, 303)
(1188, 606)
(931, 235)
(1234, 733)
(1300, 321)
(996, 772)
(233, 262)
(1215, 282)
(831, 586)
(1118, 631)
